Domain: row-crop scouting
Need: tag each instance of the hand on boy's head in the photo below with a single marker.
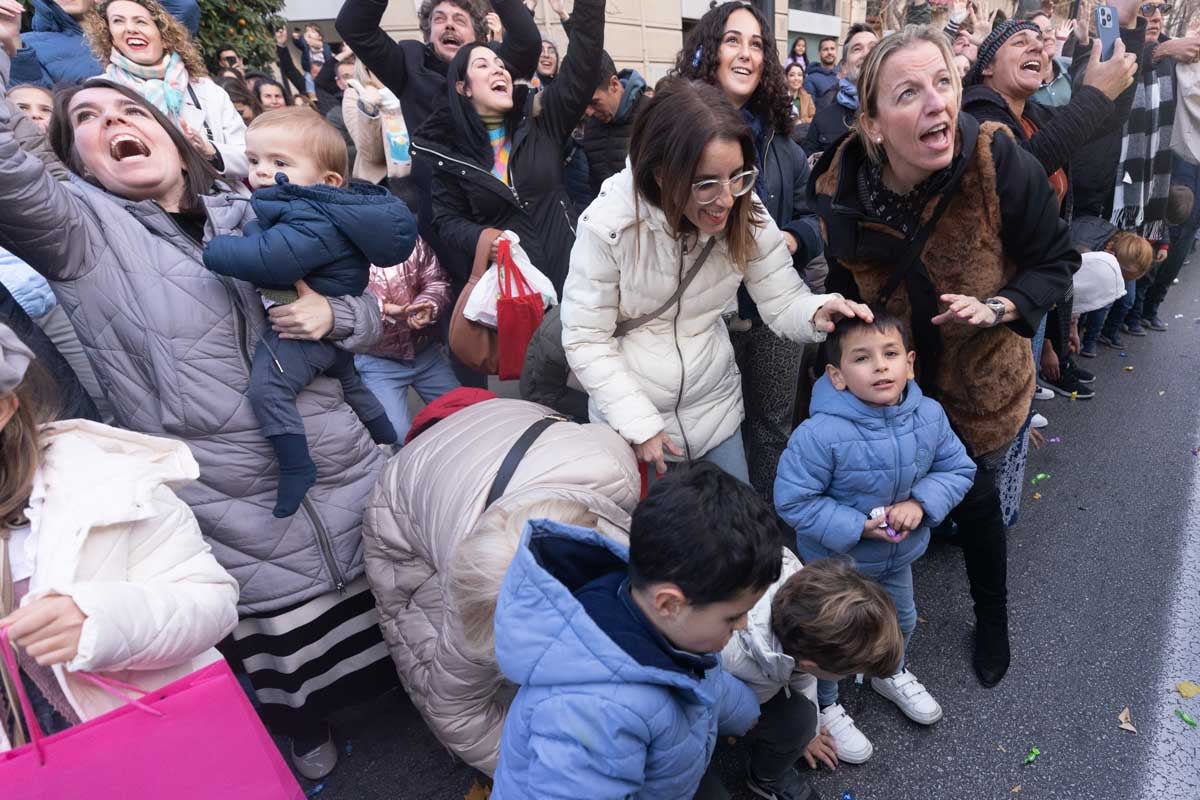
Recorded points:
(905, 516)
(828, 314)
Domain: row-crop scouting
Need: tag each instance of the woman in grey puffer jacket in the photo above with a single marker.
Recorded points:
(171, 344)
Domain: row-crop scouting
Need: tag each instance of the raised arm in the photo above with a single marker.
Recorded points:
(42, 221)
(522, 45)
(565, 100)
(358, 23)
(785, 303)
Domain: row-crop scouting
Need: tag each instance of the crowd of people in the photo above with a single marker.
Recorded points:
(802, 308)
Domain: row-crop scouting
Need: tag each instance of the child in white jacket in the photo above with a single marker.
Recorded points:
(102, 568)
(821, 621)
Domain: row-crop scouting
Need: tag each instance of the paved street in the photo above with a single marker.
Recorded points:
(1104, 577)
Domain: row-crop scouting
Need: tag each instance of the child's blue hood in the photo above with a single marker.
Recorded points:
(828, 400)
(544, 637)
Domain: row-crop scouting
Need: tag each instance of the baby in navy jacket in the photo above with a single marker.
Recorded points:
(312, 226)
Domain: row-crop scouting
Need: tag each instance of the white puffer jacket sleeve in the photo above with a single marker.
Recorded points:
(227, 126)
(590, 307)
(176, 603)
(785, 303)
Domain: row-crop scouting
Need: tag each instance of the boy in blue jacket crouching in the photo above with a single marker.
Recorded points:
(614, 649)
(872, 468)
(312, 226)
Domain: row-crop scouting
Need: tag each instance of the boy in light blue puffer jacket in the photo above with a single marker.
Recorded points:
(621, 692)
(874, 466)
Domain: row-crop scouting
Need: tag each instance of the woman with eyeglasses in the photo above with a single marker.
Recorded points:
(657, 261)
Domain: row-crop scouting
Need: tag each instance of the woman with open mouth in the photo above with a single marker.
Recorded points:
(496, 148)
(732, 48)
(955, 229)
(171, 345)
(660, 256)
(145, 48)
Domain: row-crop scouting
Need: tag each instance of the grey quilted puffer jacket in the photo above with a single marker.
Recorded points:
(430, 500)
(171, 344)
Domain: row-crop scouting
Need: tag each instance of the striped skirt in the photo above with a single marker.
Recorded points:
(309, 660)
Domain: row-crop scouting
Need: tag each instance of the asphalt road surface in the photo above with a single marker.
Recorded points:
(1104, 577)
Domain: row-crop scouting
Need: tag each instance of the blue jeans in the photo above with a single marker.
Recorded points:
(1116, 315)
(898, 583)
(729, 455)
(1093, 323)
(389, 380)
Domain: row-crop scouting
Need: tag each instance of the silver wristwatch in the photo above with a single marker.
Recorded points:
(997, 306)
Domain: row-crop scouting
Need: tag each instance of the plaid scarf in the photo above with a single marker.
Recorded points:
(1144, 171)
(163, 84)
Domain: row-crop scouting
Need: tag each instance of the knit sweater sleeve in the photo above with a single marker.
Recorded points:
(1081, 121)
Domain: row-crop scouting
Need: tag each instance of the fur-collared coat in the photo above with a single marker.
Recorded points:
(1000, 236)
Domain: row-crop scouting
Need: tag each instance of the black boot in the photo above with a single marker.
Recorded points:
(985, 551)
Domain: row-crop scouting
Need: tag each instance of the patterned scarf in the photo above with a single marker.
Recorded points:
(1144, 171)
(501, 150)
(163, 85)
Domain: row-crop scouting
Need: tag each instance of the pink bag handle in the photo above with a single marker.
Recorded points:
(110, 685)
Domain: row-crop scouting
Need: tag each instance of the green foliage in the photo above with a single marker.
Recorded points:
(246, 24)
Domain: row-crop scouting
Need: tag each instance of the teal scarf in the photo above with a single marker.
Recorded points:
(162, 84)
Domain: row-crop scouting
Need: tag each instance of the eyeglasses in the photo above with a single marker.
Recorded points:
(1149, 8)
(708, 192)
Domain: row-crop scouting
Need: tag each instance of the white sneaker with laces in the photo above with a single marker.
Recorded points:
(1039, 421)
(1043, 393)
(852, 746)
(910, 696)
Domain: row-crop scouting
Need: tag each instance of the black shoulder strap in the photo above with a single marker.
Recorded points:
(515, 453)
(917, 244)
(196, 102)
(637, 322)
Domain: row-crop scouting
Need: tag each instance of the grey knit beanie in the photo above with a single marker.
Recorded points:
(992, 44)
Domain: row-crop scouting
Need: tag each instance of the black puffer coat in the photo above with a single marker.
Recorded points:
(827, 127)
(468, 198)
(607, 143)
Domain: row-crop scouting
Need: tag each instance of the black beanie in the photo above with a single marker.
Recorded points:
(992, 44)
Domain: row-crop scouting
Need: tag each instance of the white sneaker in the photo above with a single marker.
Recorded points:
(1043, 393)
(910, 696)
(852, 746)
(1038, 420)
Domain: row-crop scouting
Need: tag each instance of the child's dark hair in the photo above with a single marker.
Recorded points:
(1179, 205)
(832, 615)
(708, 533)
(883, 322)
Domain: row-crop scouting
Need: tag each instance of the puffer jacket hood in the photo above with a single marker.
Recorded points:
(677, 372)
(589, 720)
(635, 87)
(429, 503)
(848, 458)
(327, 235)
(1091, 232)
(55, 51)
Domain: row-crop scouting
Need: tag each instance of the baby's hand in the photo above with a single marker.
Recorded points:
(905, 516)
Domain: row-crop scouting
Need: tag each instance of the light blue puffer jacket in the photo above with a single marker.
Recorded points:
(589, 721)
(27, 287)
(849, 457)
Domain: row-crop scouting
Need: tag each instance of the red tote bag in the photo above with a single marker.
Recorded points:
(519, 312)
(197, 738)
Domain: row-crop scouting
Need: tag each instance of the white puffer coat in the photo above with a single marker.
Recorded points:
(677, 372)
(430, 500)
(112, 536)
(754, 654)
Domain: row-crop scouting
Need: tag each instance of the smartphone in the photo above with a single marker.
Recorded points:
(1107, 30)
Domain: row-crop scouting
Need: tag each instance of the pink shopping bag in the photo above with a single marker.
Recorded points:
(197, 738)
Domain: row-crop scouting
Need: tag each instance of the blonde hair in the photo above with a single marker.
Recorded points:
(20, 444)
(832, 615)
(872, 71)
(1134, 253)
(175, 36)
(482, 558)
(311, 132)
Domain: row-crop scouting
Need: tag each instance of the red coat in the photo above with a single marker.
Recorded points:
(420, 279)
